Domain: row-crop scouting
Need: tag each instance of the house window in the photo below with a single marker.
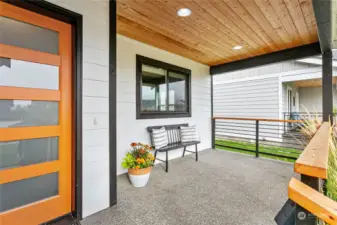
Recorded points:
(163, 90)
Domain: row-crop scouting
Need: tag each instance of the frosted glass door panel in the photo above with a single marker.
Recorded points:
(23, 192)
(17, 73)
(27, 152)
(23, 113)
(26, 35)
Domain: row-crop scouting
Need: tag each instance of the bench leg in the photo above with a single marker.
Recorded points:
(166, 161)
(184, 151)
(196, 152)
(155, 155)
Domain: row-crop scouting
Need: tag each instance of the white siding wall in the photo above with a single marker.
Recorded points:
(252, 93)
(257, 92)
(95, 101)
(311, 98)
(262, 70)
(131, 130)
(257, 98)
(285, 96)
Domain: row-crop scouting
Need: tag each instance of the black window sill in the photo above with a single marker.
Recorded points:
(162, 115)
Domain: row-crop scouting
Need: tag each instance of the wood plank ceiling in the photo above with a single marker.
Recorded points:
(312, 83)
(216, 26)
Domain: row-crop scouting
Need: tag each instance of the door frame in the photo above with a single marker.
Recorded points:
(56, 12)
(76, 20)
(289, 109)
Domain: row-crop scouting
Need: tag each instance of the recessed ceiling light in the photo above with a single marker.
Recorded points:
(183, 12)
(238, 47)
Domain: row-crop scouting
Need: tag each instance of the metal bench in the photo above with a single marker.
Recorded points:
(174, 141)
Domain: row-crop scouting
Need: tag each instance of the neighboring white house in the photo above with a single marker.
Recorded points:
(271, 91)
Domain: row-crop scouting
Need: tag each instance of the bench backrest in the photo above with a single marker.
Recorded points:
(173, 132)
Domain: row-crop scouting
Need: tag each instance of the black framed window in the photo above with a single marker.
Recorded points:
(163, 90)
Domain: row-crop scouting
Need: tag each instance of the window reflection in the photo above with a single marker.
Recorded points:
(21, 113)
(24, 35)
(27, 152)
(177, 92)
(156, 95)
(23, 192)
(18, 73)
(153, 89)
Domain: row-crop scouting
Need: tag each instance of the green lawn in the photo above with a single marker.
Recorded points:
(262, 149)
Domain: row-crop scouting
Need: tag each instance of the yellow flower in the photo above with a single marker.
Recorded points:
(137, 167)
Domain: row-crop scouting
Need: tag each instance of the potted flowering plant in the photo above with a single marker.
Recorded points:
(139, 162)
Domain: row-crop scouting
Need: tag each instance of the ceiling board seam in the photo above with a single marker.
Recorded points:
(223, 47)
(181, 53)
(258, 8)
(302, 3)
(212, 49)
(229, 40)
(264, 34)
(306, 32)
(257, 36)
(291, 21)
(271, 16)
(305, 21)
(250, 43)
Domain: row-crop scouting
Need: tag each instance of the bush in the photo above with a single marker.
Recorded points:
(139, 157)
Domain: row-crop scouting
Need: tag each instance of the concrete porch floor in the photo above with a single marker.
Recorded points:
(222, 188)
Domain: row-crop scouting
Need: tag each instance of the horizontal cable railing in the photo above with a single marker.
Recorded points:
(305, 116)
(259, 137)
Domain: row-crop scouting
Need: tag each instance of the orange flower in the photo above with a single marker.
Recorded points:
(138, 160)
(137, 167)
(142, 151)
(133, 144)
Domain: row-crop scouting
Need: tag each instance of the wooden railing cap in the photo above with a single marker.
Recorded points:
(313, 201)
(314, 159)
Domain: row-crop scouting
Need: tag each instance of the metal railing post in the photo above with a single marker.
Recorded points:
(284, 124)
(303, 217)
(257, 139)
(213, 133)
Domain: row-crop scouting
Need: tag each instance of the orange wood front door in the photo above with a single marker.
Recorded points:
(35, 117)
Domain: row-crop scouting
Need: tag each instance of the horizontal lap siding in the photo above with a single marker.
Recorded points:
(251, 93)
(131, 130)
(255, 99)
(311, 98)
(95, 101)
(263, 70)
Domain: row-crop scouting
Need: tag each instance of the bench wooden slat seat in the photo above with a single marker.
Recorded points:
(174, 141)
(174, 146)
